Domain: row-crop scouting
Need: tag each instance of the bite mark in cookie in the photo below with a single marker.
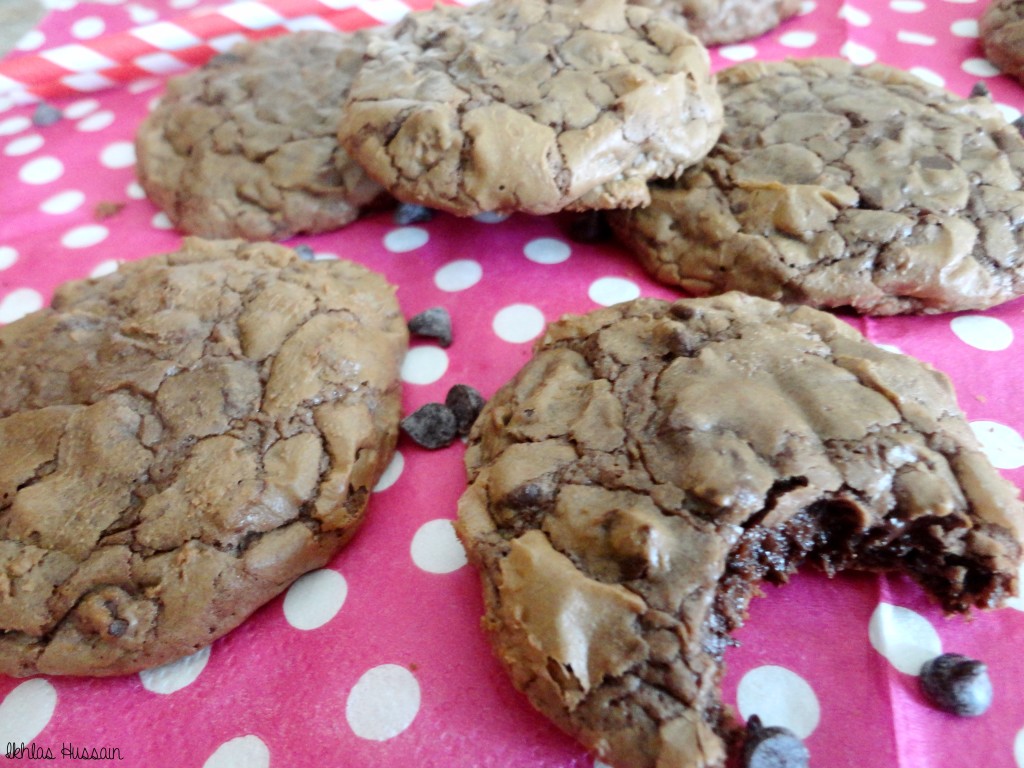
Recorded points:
(653, 462)
(180, 440)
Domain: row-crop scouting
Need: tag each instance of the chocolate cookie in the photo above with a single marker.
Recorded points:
(246, 145)
(715, 22)
(840, 186)
(1001, 29)
(531, 105)
(653, 462)
(178, 442)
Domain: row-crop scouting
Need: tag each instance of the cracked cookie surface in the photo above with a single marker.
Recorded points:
(653, 462)
(839, 186)
(715, 22)
(530, 105)
(181, 440)
(1001, 29)
(246, 145)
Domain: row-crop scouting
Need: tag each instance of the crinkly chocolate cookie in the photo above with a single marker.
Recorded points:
(715, 22)
(1001, 30)
(840, 186)
(246, 147)
(531, 105)
(178, 442)
(653, 462)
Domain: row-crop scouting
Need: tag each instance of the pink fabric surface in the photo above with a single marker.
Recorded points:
(378, 659)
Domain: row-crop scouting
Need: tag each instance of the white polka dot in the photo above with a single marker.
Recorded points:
(964, 28)
(781, 698)
(611, 290)
(424, 365)
(175, 675)
(798, 39)
(436, 549)
(18, 303)
(383, 702)
(26, 710)
(929, 76)
(491, 217)
(85, 236)
(737, 52)
(914, 38)
(406, 239)
(23, 145)
(97, 121)
(31, 40)
(120, 154)
(390, 475)
(1017, 603)
(907, 6)
(315, 598)
(42, 170)
(1018, 748)
(240, 752)
(88, 27)
(855, 16)
(80, 108)
(183, 3)
(807, 6)
(979, 68)
(161, 221)
(547, 250)
(458, 275)
(13, 125)
(144, 84)
(858, 54)
(63, 202)
(106, 267)
(142, 15)
(8, 256)
(135, 191)
(905, 638)
(1010, 113)
(517, 323)
(1002, 444)
(986, 333)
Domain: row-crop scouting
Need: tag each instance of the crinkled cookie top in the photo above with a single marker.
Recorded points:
(178, 442)
(246, 146)
(653, 462)
(835, 186)
(531, 105)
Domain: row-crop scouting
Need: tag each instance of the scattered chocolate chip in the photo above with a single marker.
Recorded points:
(588, 227)
(224, 58)
(465, 402)
(980, 90)
(1019, 124)
(957, 684)
(772, 747)
(410, 213)
(435, 323)
(106, 209)
(117, 627)
(432, 426)
(305, 252)
(46, 114)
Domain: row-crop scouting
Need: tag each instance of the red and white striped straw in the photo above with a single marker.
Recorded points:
(185, 41)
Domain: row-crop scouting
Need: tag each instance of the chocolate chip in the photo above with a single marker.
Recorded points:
(117, 627)
(305, 252)
(465, 402)
(772, 747)
(957, 684)
(1019, 124)
(588, 227)
(46, 114)
(434, 323)
(432, 426)
(410, 213)
(980, 90)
